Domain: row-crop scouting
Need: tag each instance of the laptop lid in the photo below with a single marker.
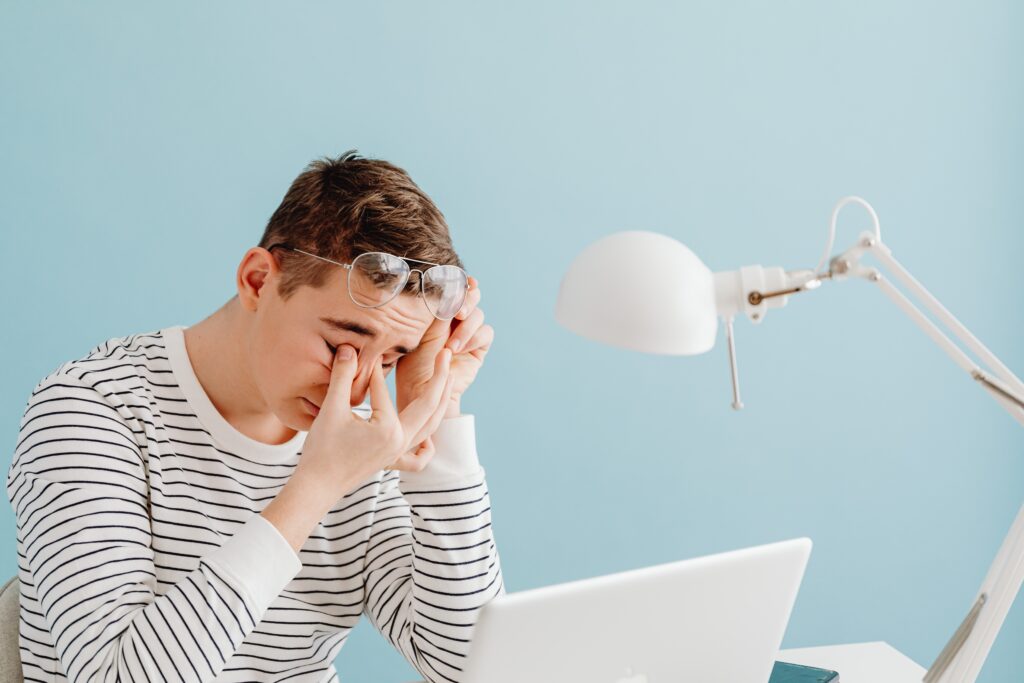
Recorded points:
(717, 618)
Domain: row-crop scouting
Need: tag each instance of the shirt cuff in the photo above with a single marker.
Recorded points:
(259, 559)
(455, 457)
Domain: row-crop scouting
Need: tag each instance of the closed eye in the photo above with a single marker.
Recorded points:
(334, 350)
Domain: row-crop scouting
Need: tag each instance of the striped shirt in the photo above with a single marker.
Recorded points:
(142, 555)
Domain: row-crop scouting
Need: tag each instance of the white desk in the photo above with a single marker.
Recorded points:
(876, 662)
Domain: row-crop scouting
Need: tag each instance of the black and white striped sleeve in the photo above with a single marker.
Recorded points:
(431, 562)
(79, 487)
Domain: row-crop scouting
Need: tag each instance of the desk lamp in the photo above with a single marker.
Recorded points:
(664, 300)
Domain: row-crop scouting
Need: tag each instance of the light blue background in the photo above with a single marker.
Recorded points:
(144, 148)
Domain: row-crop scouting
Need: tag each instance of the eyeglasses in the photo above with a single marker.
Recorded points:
(375, 278)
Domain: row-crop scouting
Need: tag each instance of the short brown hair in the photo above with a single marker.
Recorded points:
(340, 208)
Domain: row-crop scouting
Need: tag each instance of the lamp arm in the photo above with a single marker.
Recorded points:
(963, 656)
(1004, 386)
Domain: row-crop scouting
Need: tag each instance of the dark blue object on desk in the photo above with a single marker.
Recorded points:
(784, 672)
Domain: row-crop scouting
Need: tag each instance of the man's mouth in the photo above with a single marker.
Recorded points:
(312, 408)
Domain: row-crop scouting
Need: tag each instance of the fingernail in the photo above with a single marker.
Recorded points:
(456, 345)
(345, 352)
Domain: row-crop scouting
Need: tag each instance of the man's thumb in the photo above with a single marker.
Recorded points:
(339, 392)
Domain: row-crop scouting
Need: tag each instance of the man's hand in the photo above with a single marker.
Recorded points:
(468, 338)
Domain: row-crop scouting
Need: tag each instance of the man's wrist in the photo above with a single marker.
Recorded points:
(297, 508)
(455, 461)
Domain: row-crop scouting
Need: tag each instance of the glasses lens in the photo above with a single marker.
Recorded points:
(375, 278)
(444, 290)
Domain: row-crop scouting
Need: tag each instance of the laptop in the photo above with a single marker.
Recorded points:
(713, 619)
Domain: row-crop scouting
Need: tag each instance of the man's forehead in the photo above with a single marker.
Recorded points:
(404, 319)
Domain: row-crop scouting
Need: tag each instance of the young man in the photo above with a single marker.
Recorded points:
(204, 503)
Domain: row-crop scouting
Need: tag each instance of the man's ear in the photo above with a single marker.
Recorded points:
(257, 268)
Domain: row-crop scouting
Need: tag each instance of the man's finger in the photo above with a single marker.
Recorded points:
(438, 328)
(434, 419)
(482, 339)
(466, 329)
(418, 411)
(416, 459)
(343, 371)
(435, 387)
(472, 301)
(380, 399)
(442, 407)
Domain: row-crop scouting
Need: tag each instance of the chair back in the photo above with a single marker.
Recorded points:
(10, 618)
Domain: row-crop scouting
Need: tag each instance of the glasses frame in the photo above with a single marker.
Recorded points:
(348, 283)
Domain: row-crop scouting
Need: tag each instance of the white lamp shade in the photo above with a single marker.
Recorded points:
(642, 291)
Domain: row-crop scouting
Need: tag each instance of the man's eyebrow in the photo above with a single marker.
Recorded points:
(353, 326)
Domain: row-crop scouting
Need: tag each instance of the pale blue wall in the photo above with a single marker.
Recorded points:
(144, 148)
